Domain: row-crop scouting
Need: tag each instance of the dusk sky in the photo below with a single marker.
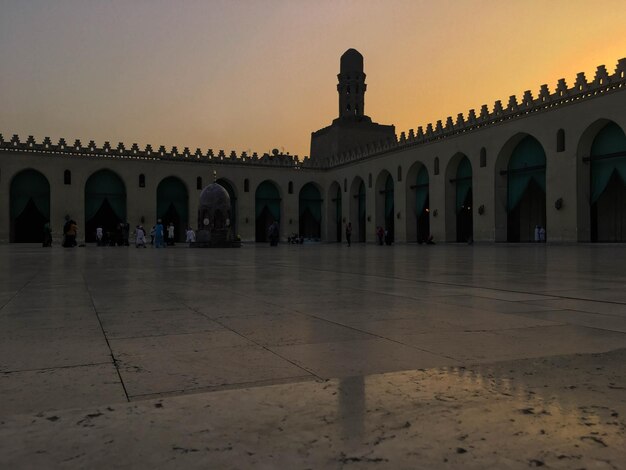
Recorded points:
(256, 75)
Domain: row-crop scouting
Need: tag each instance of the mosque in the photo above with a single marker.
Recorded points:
(557, 159)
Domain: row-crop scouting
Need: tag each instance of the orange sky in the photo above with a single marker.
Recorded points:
(261, 74)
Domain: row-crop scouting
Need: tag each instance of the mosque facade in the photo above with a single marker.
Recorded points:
(557, 160)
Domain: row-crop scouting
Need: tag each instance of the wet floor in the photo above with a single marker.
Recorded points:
(503, 356)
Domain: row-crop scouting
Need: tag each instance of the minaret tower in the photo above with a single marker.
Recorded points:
(352, 129)
(351, 86)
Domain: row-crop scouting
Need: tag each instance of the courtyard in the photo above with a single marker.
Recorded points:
(313, 356)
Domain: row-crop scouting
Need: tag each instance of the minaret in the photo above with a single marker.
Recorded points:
(351, 86)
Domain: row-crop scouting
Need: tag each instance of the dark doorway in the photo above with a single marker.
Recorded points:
(28, 226)
(338, 221)
(29, 198)
(172, 206)
(263, 222)
(527, 214)
(105, 204)
(106, 218)
(423, 223)
(389, 209)
(267, 209)
(310, 212)
(362, 221)
(608, 213)
(464, 220)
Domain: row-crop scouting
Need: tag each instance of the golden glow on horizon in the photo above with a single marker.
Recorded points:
(261, 75)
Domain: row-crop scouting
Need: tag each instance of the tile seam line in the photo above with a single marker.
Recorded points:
(115, 364)
(246, 338)
(226, 387)
(450, 284)
(17, 371)
(20, 289)
(374, 335)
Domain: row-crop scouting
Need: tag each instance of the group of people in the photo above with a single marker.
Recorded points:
(383, 236)
(161, 236)
(119, 237)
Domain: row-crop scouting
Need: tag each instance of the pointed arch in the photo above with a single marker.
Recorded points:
(334, 213)
(358, 209)
(520, 189)
(459, 197)
(105, 203)
(417, 202)
(310, 212)
(29, 201)
(385, 203)
(268, 202)
(601, 165)
(173, 205)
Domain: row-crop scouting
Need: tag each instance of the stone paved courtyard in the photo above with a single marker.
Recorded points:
(314, 356)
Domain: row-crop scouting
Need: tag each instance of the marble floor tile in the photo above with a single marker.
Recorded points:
(591, 320)
(287, 357)
(59, 388)
(359, 357)
(17, 354)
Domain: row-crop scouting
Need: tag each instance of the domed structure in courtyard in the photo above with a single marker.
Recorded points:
(214, 218)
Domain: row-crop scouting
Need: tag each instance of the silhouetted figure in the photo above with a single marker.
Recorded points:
(380, 234)
(273, 234)
(349, 233)
(158, 234)
(47, 235)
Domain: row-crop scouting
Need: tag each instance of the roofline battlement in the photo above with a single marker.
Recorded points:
(77, 149)
(582, 89)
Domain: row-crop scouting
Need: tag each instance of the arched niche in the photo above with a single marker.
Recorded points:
(29, 202)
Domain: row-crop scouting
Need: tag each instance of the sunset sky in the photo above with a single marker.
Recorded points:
(260, 74)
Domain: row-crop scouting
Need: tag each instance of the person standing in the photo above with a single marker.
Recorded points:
(349, 233)
(140, 237)
(99, 236)
(191, 236)
(158, 234)
(170, 234)
(542, 234)
(273, 234)
(537, 233)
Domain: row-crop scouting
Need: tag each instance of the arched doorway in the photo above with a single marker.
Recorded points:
(267, 209)
(29, 206)
(173, 205)
(310, 212)
(526, 190)
(608, 185)
(464, 215)
(422, 210)
(233, 203)
(385, 203)
(357, 205)
(105, 204)
(417, 203)
(335, 215)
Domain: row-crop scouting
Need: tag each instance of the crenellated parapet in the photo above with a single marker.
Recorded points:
(133, 152)
(581, 89)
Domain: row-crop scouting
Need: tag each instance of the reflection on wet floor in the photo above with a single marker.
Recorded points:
(562, 412)
(320, 357)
